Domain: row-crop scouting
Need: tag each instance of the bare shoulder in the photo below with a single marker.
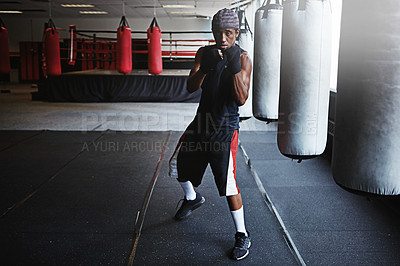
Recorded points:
(197, 60)
(245, 60)
(199, 53)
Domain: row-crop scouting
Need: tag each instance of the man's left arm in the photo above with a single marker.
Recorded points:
(239, 64)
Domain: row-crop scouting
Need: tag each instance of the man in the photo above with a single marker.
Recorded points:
(223, 72)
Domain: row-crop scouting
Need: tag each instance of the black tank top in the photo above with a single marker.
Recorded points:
(217, 109)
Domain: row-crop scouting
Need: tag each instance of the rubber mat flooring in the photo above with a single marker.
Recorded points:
(105, 198)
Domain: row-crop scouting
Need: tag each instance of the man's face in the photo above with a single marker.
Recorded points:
(225, 38)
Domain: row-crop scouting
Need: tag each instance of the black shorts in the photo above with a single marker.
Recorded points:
(219, 149)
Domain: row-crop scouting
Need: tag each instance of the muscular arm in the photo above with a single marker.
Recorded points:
(241, 80)
(196, 77)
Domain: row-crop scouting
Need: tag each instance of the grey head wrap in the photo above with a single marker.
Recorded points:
(225, 19)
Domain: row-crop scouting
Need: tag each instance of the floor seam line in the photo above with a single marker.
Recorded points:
(98, 126)
(146, 201)
(54, 175)
(21, 141)
(288, 239)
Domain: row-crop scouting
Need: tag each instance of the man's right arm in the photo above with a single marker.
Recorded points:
(196, 77)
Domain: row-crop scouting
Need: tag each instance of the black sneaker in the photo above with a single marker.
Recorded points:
(242, 245)
(188, 206)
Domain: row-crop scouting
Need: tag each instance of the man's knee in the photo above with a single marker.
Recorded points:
(234, 202)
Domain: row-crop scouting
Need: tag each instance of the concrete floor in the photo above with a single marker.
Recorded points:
(19, 112)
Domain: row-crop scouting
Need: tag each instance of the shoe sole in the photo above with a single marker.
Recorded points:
(245, 255)
(197, 205)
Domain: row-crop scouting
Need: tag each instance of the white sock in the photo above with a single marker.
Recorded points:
(238, 219)
(187, 187)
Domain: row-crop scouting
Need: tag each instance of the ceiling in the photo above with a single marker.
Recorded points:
(133, 8)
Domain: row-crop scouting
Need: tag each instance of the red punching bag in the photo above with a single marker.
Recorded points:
(154, 46)
(4, 50)
(52, 49)
(124, 47)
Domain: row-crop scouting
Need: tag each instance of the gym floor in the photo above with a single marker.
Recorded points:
(87, 184)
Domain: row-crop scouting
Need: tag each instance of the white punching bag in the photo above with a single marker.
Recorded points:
(305, 78)
(245, 41)
(267, 61)
(366, 149)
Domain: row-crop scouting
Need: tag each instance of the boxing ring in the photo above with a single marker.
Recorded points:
(89, 72)
(110, 86)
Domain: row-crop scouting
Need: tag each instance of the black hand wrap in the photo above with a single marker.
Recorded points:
(233, 56)
(209, 59)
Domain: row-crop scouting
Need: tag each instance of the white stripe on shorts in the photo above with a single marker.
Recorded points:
(231, 187)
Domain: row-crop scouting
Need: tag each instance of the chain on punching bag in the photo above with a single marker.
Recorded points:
(124, 47)
(366, 150)
(73, 45)
(154, 46)
(4, 50)
(245, 41)
(305, 78)
(267, 61)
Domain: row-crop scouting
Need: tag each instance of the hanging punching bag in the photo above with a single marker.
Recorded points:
(52, 49)
(366, 150)
(305, 78)
(4, 50)
(267, 61)
(154, 46)
(124, 47)
(245, 41)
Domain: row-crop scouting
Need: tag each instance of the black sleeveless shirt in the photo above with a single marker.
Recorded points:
(217, 109)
